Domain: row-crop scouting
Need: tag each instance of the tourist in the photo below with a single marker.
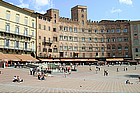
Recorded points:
(19, 80)
(15, 79)
(139, 78)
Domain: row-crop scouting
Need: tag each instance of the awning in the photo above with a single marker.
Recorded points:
(11, 57)
(50, 60)
(115, 59)
(138, 58)
(26, 57)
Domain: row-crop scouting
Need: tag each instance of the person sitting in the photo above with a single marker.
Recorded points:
(127, 82)
(15, 79)
(19, 80)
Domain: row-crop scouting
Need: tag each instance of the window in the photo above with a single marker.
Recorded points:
(26, 20)
(108, 47)
(54, 29)
(75, 29)
(70, 29)
(25, 31)
(89, 30)
(82, 22)
(7, 42)
(112, 30)
(75, 48)
(8, 15)
(33, 24)
(108, 39)
(135, 27)
(39, 37)
(118, 30)
(54, 38)
(49, 28)
(96, 31)
(119, 39)
(70, 38)
(82, 15)
(65, 37)
(7, 27)
(83, 48)
(136, 50)
(17, 29)
(90, 49)
(108, 31)
(90, 39)
(70, 48)
(44, 27)
(113, 39)
(119, 48)
(44, 49)
(126, 47)
(39, 26)
(17, 18)
(102, 39)
(65, 48)
(125, 39)
(102, 53)
(83, 39)
(54, 15)
(96, 54)
(102, 49)
(61, 37)
(61, 28)
(16, 44)
(65, 28)
(55, 50)
(61, 48)
(39, 47)
(126, 54)
(32, 32)
(113, 47)
(95, 40)
(125, 30)
(25, 45)
(102, 30)
(75, 39)
(83, 30)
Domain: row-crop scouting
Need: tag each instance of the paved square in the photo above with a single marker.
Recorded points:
(81, 81)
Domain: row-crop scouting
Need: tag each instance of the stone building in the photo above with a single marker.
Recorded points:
(79, 37)
(17, 30)
(135, 37)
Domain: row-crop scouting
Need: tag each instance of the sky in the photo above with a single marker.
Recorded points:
(97, 9)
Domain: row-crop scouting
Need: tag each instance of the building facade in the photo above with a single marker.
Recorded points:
(49, 36)
(17, 30)
(135, 37)
(81, 38)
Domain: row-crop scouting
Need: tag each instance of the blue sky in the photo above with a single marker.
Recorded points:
(97, 9)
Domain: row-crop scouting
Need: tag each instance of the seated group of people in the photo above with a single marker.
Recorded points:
(41, 76)
(17, 79)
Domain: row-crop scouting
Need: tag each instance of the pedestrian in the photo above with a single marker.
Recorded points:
(139, 78)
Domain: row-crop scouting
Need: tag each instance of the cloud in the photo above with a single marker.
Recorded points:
(22, 4)
(113, 10)
(128, 2)
(36, 4)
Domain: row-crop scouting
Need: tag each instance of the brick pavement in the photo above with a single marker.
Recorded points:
(82, 81)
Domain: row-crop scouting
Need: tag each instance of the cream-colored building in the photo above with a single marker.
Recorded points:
(17, 29)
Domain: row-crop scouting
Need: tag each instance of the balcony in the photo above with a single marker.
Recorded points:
(47, 42)
(14, 34)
